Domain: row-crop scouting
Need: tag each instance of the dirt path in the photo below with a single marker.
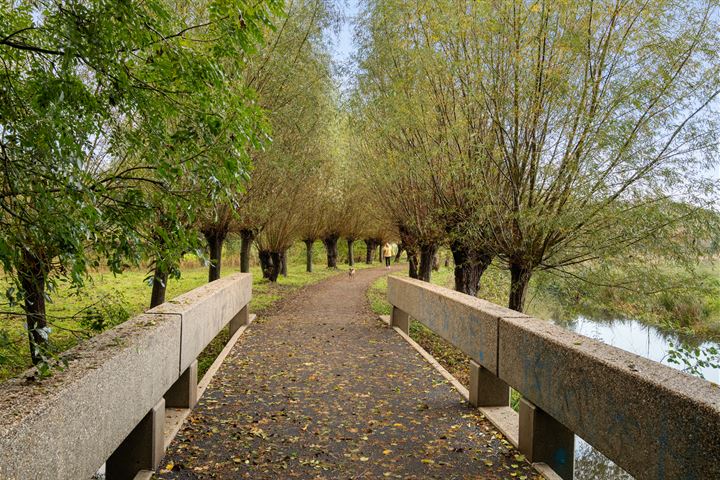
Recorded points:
(320, 389)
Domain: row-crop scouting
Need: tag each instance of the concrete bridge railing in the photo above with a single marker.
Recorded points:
(108, 405)
(653, 421)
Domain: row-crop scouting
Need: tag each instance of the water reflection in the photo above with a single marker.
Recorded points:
(589, 463)
(640, 339)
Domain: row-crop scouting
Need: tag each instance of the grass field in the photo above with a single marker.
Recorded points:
(109, 300)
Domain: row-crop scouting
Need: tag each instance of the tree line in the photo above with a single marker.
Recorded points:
(541, 135)
(134, 133)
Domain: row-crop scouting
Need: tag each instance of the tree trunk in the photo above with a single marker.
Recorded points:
(351, 252)
(380, 257)
(215, 242)
(469, 268)
(246, 239)
(370, 246)
(309, 255)
(276, 267)
(399, 252)
(283, 260)
(266, 263)
(427, 255)
(159, 286)
(331, 248)
(413, 264)
(436, 263)
(519, 281)
(32, 280)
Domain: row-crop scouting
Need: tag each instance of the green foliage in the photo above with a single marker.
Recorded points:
(537, 133)
(106, 314)
(694, 359)
(108, 110)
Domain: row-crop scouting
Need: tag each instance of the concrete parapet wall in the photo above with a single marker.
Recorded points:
(469, 323)
(654, 421)
(205, 311)
(66, 426)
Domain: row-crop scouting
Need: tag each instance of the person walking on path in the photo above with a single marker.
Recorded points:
(387, 252)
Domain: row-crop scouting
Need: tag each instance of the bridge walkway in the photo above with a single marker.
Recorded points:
(321, 389)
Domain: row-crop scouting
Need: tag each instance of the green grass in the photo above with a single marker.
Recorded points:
(109, 300)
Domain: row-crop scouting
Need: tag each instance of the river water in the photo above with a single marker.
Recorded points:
(640, 339)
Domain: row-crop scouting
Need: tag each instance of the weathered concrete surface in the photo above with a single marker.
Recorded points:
(142, 449)
(400, 319)
(544, 439)
(65, 427)
(206, 310)
(652, 420)
(469, 323)
(184, 392)
(486, 390)
(242, 318)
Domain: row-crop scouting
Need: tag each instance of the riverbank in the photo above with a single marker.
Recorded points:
(668, 298)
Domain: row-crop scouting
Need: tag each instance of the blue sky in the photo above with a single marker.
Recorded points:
(342, 41)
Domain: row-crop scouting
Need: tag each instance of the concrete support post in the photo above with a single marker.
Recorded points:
(183, 393)
(544, 439)
(487, 390)
(242, 318)
(142, 449)
(400, 319)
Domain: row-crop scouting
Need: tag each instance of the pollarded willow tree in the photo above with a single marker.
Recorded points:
(295, 198)
(394, 145)
(292, 77)
(85, 86)
(312, 223)
(350, 216)
(550, 133)
(332, 201)
(607, 117)
(424, 63)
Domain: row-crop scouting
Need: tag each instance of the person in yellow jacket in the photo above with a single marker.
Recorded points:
(387, 252)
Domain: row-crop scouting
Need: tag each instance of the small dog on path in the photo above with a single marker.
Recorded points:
(351, 272)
